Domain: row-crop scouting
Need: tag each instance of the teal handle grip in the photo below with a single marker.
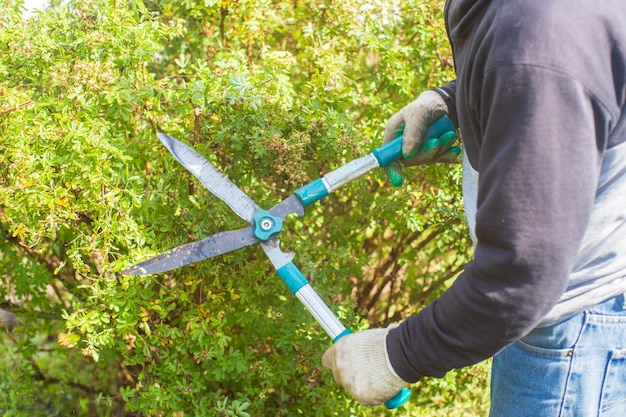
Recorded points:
(312, 192)
(292, 277)
(397, 400)
(392, 151)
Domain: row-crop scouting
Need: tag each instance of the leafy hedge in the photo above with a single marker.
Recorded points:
(275, 94)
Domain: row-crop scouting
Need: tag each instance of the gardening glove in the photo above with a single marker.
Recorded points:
(360, 363)
(412, 122)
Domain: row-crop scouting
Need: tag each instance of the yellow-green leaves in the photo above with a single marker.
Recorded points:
(275, 93)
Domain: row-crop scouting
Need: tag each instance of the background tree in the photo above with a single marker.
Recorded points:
(275, 94)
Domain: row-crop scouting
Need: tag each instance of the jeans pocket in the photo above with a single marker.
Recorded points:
(545, 352)
(528, 380)
(614, 386)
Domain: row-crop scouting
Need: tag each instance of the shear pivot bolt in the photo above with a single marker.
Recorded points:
(267, 224)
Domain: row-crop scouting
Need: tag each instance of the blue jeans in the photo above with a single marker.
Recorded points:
(575, 368)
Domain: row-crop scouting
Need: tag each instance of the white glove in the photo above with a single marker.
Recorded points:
(360, 363)
(412, 121)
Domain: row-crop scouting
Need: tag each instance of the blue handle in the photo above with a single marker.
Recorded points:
(311, 192)
(392, 151)
(292, 277)
(397, 400)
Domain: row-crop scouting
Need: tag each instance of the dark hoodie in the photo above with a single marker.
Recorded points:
(539, 95)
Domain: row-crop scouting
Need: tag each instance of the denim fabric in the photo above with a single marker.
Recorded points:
(575, 368)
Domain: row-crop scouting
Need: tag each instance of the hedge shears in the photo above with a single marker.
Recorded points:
(265, 225)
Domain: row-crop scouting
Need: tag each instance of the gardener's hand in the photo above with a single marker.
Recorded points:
(412, 122)
(360, 363)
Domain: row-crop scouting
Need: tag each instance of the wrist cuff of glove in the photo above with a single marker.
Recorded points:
(450, 105)
(388, 361)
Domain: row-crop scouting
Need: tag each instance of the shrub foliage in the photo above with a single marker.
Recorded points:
(275, 93)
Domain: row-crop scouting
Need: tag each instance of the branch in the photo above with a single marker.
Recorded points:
(197, 115)
(19, 106)
(389, 269)
(419, 300)
(40, 376)
(434, 286)
(52, 263)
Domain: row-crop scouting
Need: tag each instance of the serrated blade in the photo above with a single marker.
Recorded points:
(212, 179)
(214, 245)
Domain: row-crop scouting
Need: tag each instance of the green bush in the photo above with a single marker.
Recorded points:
(275, 94)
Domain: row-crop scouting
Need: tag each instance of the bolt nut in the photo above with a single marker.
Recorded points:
(267, 224)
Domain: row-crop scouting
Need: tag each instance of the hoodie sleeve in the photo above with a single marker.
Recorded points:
(539, 163)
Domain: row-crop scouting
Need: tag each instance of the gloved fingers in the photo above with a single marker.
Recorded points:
(394, 127)
(413, 137)
(394, 172)
(412, 122)
(337, 359)
(450, 156)
(360, 363)
(416, 127)
(447, 152)
(328, 360)
(435, 150)
(428, 151)
(447, 139)
(425, 152)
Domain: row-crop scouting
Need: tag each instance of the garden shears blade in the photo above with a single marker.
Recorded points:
(266, 225)
(215, 245)
(212, 179)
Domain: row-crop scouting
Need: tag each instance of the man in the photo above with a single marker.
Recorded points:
(540, 103)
